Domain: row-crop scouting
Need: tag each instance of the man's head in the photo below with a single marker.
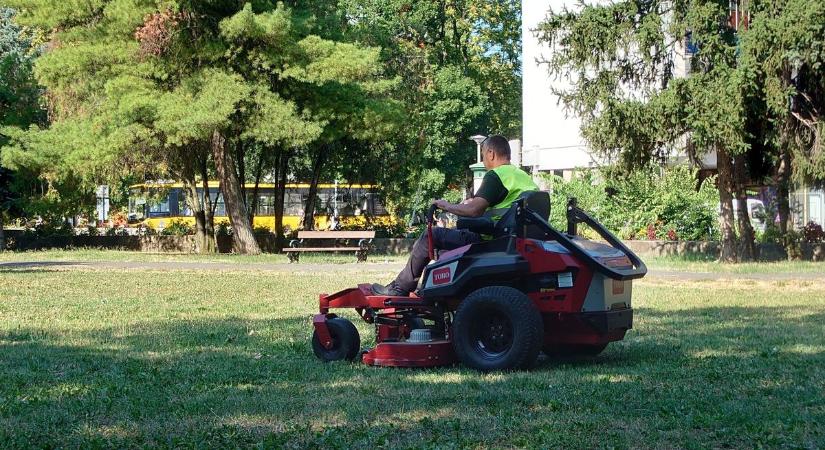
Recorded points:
(495, 151)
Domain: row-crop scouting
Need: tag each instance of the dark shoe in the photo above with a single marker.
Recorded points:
(391, 289)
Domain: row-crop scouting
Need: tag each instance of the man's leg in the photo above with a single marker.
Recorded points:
(443, 239)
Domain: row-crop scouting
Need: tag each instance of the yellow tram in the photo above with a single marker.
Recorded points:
(156, 205)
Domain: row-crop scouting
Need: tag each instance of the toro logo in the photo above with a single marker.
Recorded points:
(442, 276)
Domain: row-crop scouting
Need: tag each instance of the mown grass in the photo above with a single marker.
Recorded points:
(98, 255)
(664, 263)
(706, 264)
(94, 358)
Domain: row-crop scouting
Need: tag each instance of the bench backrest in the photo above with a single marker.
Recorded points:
(336, 234)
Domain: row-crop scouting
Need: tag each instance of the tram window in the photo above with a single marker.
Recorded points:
(217, 202)
(184, 208)
(375, 207)
(137, 205)
(294, 203)
(266, 205)
(378, 206)
(323, 202)
(159, 208)
(347, 202)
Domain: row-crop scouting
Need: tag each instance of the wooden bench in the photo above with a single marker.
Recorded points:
(296, 246)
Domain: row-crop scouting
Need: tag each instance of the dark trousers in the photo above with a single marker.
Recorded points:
(443, 239)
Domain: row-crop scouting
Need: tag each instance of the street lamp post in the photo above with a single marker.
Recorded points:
(478, 140)
(478, 169)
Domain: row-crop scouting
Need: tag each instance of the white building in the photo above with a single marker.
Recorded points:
(551, 140)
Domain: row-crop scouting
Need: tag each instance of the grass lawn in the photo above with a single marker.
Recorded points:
(127, 358)
(670, 264)
(683, 264)
(96, 255)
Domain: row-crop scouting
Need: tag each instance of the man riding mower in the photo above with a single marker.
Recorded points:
(507, 286)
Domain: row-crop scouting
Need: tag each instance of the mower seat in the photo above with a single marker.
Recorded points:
(537, 201)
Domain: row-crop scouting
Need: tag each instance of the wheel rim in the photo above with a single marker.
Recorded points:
(492, 334)
(336, 343)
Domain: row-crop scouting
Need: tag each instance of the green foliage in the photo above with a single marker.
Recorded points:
(222, 228)
(383, 227)
(19, 105)
(48, 229)
(458, 71)
(177, 227)
(665, 203)
(782, 58)
(19, 92)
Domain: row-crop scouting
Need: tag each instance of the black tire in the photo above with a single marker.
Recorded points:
(497, 328)
(346, 342)
(574, 350)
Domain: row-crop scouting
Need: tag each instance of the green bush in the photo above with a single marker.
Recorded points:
(177, 227)
(48, 229)
(223, 228)
(648, 204)
(384, 227)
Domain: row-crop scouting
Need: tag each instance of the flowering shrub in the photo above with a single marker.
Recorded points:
(177, 227)
(813, 233)
(383, 226)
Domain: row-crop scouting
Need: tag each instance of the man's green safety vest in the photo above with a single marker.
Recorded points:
(516, 181)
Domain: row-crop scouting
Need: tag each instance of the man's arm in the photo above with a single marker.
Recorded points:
(472, 207)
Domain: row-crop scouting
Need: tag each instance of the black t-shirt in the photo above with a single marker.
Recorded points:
(492, 189)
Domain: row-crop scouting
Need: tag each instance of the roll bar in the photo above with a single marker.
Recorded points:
(525, 216)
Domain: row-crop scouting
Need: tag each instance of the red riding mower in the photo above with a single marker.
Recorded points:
(495, 304)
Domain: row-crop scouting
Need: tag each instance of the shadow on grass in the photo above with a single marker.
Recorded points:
(712, 376)
(36, 266)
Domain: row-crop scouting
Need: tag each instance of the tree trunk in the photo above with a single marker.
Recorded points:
(309, 208)
(283, 166)
(783, 193)
(727, 249)
(240, 152)
(244, 239)
(208, 208)
(201, 237)
(747, 238)
(259, 171)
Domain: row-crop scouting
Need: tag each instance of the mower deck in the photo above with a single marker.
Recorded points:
(390, 350)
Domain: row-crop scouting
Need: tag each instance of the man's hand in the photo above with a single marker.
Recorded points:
(442, 204)
(472, 207)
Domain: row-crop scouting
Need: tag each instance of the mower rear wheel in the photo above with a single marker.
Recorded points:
(497, 328)
(346, 342)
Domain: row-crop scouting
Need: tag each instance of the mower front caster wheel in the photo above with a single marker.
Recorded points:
(497, 328)
(346, 343)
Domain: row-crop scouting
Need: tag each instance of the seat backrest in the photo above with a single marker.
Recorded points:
(537, 201)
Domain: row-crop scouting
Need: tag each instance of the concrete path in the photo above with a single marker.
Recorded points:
(363, 267)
